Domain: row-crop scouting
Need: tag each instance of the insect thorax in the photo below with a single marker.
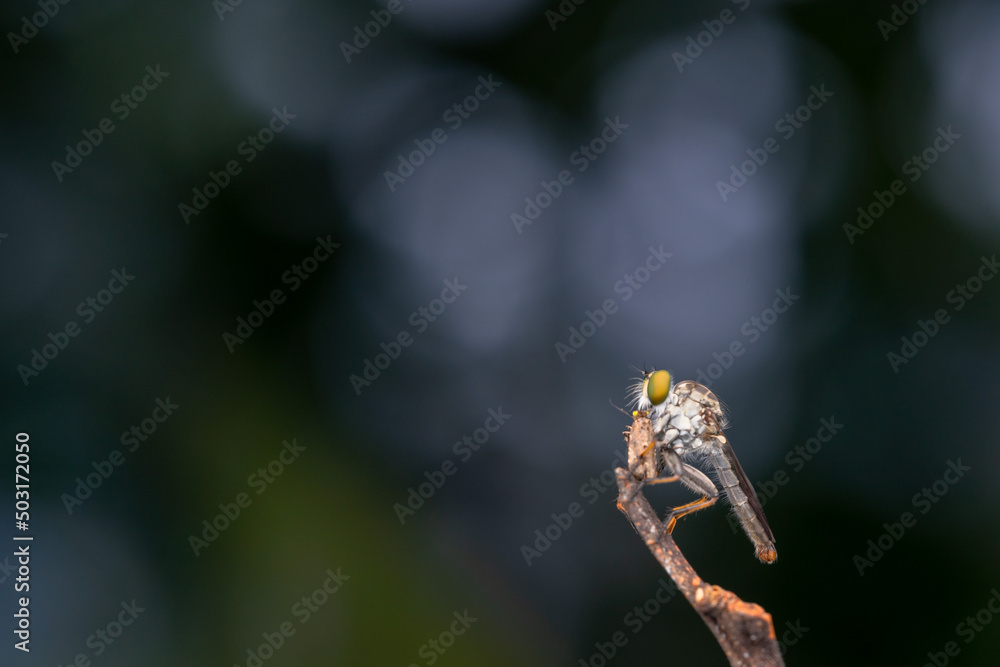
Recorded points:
(690, 417)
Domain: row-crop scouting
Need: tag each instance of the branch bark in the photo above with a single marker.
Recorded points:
(743, 629)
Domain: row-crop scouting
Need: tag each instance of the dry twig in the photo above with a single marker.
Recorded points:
(743, 629)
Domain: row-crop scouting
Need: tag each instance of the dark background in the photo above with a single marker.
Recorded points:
(495, 346)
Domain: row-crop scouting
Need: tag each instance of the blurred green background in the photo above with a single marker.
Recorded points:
(481, 217)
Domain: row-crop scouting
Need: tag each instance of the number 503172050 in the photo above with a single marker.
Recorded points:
(21, 481)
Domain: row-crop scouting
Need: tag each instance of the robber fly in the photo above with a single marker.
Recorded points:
(687, 421)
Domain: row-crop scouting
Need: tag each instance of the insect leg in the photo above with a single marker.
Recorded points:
(693, 479)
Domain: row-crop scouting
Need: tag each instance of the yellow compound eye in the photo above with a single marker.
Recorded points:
(658, 386)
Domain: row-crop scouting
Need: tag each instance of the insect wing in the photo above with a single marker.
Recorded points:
(746, 487)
